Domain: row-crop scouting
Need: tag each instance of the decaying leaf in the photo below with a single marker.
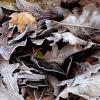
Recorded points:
(9, 95)
(60, 55)
(86, 22)
(50, 3)
(67, 37)
(10, 89)
(51, 67)
(8, 5)
(50, 50)
(57, 36)
(11, 79)
(53, 81)
(26, 78)
(31, 77)
(6, 72)
(24, 5)
(86, 85)
(1, 14)
(5, 49)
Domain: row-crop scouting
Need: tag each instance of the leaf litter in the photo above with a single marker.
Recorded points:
(50, 50)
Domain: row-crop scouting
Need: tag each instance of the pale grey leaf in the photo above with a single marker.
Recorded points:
(88, 20)
(86, 85)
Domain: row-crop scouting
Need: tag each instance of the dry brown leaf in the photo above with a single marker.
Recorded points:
(30, 98)
(8, 5)
(48, 98)
(32, 5)
(24, 5)
(50, 3)
(22, 20)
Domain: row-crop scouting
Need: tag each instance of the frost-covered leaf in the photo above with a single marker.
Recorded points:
(9, 95)
(19, 37)
(86, 85)
(73, 40)
(67, 37)
(60, 55)
(38, 41)
(27, 78)
(51, 67)
(31, 76)
(69, 45)
(5, 49)
(7, 72)
(57, 36)
(88, 20)
(9, 88)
